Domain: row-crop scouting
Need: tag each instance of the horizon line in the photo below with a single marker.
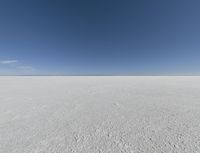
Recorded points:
(91, 75)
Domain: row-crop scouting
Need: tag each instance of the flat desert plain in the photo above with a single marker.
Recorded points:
(105, 114)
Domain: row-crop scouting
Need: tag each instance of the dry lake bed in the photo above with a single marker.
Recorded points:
(105, 114)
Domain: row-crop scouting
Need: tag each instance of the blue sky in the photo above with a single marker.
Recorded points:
(93, 37)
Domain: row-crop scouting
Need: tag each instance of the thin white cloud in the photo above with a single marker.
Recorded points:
(26, 67)
(8, 61)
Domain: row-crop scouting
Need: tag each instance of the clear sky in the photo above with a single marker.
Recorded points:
(117, 37)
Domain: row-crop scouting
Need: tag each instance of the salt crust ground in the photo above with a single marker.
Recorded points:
(99, 114)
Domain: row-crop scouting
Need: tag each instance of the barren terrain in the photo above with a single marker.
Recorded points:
(100, 114)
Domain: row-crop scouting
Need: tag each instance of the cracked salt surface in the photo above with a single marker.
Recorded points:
(99, 114)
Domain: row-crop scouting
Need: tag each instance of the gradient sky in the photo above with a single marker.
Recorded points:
(117, 37)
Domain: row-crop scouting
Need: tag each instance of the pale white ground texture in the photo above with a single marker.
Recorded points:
(100, 114)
